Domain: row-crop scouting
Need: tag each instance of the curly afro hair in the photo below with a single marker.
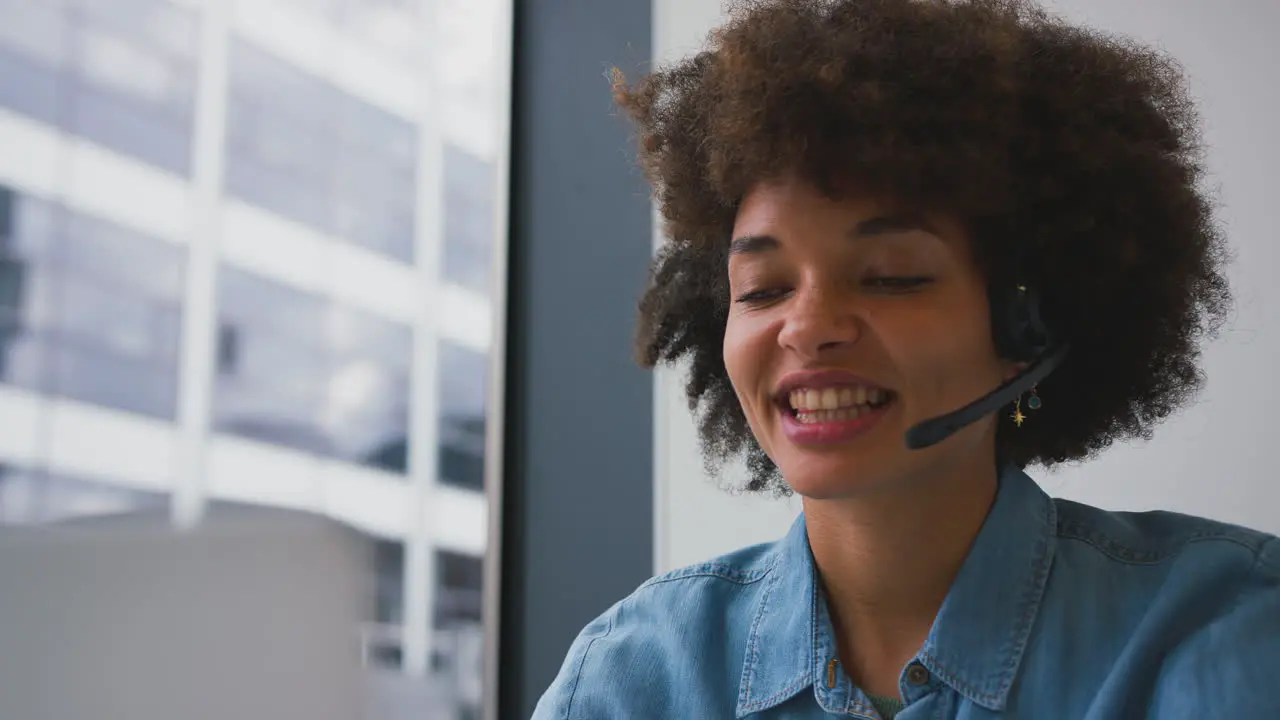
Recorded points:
(1073, 154)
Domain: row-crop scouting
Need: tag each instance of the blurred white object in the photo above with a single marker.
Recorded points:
(252, 616)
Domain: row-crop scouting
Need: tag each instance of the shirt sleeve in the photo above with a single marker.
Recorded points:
(557, 703)
(626, 665)
(1228, 668)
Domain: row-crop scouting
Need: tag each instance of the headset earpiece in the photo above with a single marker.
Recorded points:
(1016, 324)
(1021, 336)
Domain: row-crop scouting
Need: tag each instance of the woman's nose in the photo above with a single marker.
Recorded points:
(819, 320)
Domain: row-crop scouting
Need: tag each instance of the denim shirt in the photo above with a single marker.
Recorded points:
(1060, 610)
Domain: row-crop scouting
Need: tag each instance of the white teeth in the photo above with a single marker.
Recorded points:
(810, 417)
(830, 399)
(809, 400)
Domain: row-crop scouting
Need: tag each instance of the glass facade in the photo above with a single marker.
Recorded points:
(388, 26)
(303, 371)
(102, 302)
(120, 73)
(31, 496)
(469, 225)
(460, 578)
(388, 604)
(300, 147)
(464, 379)
(458, 653)
(89, 310)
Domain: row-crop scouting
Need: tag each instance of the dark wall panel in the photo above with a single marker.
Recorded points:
(578, 495)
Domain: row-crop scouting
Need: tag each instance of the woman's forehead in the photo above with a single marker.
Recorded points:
(795, 191)
(793, 203)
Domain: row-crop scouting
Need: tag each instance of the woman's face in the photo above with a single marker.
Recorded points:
(850, 321)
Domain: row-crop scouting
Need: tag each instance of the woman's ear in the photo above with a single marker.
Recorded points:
(1013, 368)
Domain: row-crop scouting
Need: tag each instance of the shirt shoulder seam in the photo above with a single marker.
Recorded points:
(723, 571)
(1268, 561)
(582, 663)
(1125, 553)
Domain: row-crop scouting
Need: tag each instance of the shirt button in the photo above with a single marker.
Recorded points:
(917, 674)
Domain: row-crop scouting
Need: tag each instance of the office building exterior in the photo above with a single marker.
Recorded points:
(247, 253)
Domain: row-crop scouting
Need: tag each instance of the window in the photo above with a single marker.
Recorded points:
(299, 370)
(25, 300)
(464, 377)
(388, 561)
(302, 148)
(34, 51)
(458, 606)
(122, 74)
(458, 652)
(31, 496)
(386, 26)
(157, 24)
(459, 581)
(469, 220)
(88, 310)
(385, 645)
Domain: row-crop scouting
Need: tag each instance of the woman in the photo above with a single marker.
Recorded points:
(880, 212)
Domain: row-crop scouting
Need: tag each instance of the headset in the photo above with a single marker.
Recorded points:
(1020, 335)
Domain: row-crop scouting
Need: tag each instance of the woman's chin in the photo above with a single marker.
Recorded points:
(831, 478)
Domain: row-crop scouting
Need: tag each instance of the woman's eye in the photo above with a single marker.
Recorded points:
(897, 283)
(759, 297)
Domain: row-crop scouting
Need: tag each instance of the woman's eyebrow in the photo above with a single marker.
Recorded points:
(753, 244)
(890, 224)
(872, 227)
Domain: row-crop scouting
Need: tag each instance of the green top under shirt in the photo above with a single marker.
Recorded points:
(887, 707)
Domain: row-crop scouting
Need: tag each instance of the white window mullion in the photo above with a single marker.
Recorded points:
(199, 319)
(424, 434)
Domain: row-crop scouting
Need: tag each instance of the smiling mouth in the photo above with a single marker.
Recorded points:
(811, 406)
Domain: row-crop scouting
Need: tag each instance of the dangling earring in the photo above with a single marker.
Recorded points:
(1033, 403)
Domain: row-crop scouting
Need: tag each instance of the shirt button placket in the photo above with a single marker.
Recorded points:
(917, 675)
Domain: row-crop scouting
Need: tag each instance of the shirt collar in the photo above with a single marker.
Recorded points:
(978, 639)
(779, 658)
